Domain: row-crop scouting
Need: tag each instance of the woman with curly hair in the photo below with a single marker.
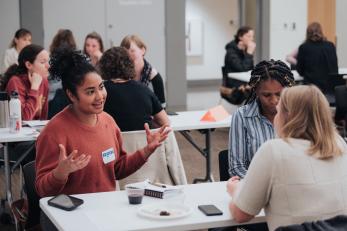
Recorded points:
(129, 102)
(80, 150)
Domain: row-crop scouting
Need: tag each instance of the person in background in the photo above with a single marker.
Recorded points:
(93, 47)
(80, 149)
(144, 72)
(252, 124)
(64, 39)
(129, 102)
(317, 61)
(21, 39)
(29, 80)
(240, 51)
(300, 176)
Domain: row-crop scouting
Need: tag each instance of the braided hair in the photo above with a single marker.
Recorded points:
(266, 70)
(70, 66)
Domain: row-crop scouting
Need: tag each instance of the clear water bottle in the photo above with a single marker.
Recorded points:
(15, 113)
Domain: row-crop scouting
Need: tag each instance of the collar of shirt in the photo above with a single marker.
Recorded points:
(252, 110)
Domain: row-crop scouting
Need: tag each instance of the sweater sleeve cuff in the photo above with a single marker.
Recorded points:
(33, 92)
(54, 182)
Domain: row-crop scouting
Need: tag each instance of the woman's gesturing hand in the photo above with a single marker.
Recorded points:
(154, 139)
(69, 164)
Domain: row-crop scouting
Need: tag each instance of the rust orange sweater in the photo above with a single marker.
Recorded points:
(66, 129)
(34, 103)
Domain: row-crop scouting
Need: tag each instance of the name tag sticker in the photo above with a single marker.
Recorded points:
(108, 156)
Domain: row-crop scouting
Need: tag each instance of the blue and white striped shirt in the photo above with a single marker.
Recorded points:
(248, 131)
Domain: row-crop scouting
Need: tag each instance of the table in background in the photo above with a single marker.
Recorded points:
(111, 211)
(190, 120)
(245, 76)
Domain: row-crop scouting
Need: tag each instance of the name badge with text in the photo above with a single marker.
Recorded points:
(108, 156)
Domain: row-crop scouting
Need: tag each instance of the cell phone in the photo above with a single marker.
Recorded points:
(171, 113)
(210, 210)
(65, 202)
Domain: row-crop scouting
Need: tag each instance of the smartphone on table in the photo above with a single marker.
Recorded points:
(65, 202)
(210, 210)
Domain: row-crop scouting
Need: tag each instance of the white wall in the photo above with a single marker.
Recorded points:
(9, 23)
(283, 37)
(80, 16)
(217, 32)
(341, 32)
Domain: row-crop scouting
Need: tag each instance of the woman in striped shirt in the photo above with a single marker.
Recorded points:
(252, 124)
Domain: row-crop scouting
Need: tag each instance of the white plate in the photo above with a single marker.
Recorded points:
(153, 211)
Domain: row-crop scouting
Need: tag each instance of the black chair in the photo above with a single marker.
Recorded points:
(337, 223)
(223, 165)
(341, 107)
(33, 199)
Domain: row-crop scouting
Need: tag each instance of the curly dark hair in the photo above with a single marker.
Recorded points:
(115, 63)
(265, 70)
(71, 66)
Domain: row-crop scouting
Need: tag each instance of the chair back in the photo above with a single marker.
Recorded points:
(340, 97)
(164, 165)
(33, 198)
(223, 165)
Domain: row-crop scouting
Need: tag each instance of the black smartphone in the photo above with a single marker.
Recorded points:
(210, 210)
(171, 113)
(65, 202)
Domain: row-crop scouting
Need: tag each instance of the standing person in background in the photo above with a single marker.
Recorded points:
(252, 124)
(240, 51)
(129, 102)
(21, 39)
(93, 47)
(145, 73)
(317, 61)
(300, 176)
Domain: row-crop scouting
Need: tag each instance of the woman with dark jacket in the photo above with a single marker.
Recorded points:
(317, 60)
(239, 52)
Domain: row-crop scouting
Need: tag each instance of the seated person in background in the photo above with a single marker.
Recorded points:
(93, 47)
(317, 61)
(301, 176)
(144, 72)
(21, 39)
(252, 124)
(64, 38)
(239, 52)
(29, 80)
(129, 102)
(292, 59)
(238, 58)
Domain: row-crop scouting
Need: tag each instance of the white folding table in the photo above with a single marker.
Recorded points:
(111, 211)
(190, 120)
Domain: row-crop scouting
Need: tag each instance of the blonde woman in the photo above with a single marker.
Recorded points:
(301, 176)
(144, 71)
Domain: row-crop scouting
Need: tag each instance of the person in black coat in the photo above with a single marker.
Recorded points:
(239, 52)
(317, 61)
